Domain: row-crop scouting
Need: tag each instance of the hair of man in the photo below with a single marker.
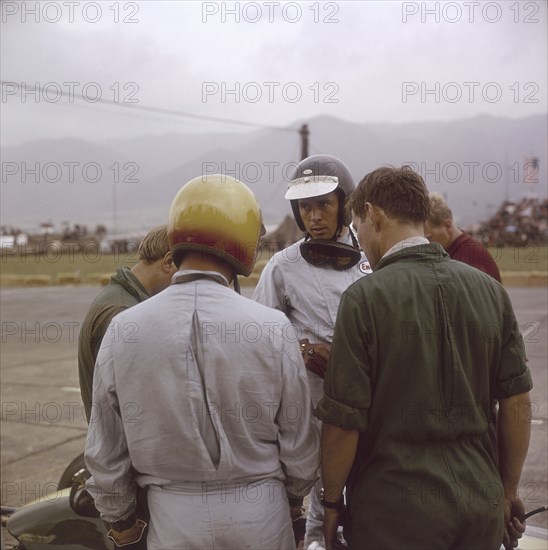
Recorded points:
(154, 245)
(400, 192)
(439, 209)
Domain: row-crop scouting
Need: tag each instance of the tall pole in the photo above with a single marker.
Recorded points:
(114, 216)
(304, 141)
(506, 190)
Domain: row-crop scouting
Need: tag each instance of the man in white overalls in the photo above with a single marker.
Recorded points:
(306, 279)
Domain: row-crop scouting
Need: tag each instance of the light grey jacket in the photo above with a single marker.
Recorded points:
(209, 388)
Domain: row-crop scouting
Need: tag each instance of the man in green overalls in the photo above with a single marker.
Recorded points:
(421, 347)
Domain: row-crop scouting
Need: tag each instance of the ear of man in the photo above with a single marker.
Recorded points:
(167, 263)
(376, 215)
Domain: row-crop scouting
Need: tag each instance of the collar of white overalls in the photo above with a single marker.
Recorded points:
(189, 275)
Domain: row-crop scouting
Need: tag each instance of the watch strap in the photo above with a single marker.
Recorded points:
(331, 504)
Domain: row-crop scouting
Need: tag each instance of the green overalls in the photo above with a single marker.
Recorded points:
(421, 348)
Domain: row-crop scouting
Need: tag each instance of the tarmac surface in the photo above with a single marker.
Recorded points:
(43, 425)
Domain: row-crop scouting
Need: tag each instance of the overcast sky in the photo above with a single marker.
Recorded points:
(287, 61)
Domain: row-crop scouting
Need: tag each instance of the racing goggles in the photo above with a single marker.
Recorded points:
(338, 255)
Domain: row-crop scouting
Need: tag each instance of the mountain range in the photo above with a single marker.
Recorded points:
(128, 184)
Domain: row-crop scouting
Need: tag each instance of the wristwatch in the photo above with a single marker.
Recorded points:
(330, 504)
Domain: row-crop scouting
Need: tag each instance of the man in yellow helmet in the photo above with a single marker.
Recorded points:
(209, 408)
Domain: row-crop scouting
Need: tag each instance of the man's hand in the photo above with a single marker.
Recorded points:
(338, 453)
(330, 526)
(315, 356)
(298, 519)
(514, 522)
(514, 431)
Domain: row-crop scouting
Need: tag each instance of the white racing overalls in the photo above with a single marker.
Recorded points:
(200, 396)
(309, 295)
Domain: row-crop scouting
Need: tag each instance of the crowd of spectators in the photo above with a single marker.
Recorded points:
(516, 224)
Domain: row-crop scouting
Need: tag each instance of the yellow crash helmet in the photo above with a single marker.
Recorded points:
(216, 214)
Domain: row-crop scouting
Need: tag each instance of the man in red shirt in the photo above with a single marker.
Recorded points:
(460, 246)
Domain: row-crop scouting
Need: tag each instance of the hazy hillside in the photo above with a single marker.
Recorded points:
(465, 159)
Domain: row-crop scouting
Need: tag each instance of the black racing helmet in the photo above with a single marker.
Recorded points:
(318, 175)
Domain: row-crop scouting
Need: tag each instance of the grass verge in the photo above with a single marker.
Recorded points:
(525, 266)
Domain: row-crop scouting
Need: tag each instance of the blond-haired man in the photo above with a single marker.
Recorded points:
(127, 287)
(440, 228)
